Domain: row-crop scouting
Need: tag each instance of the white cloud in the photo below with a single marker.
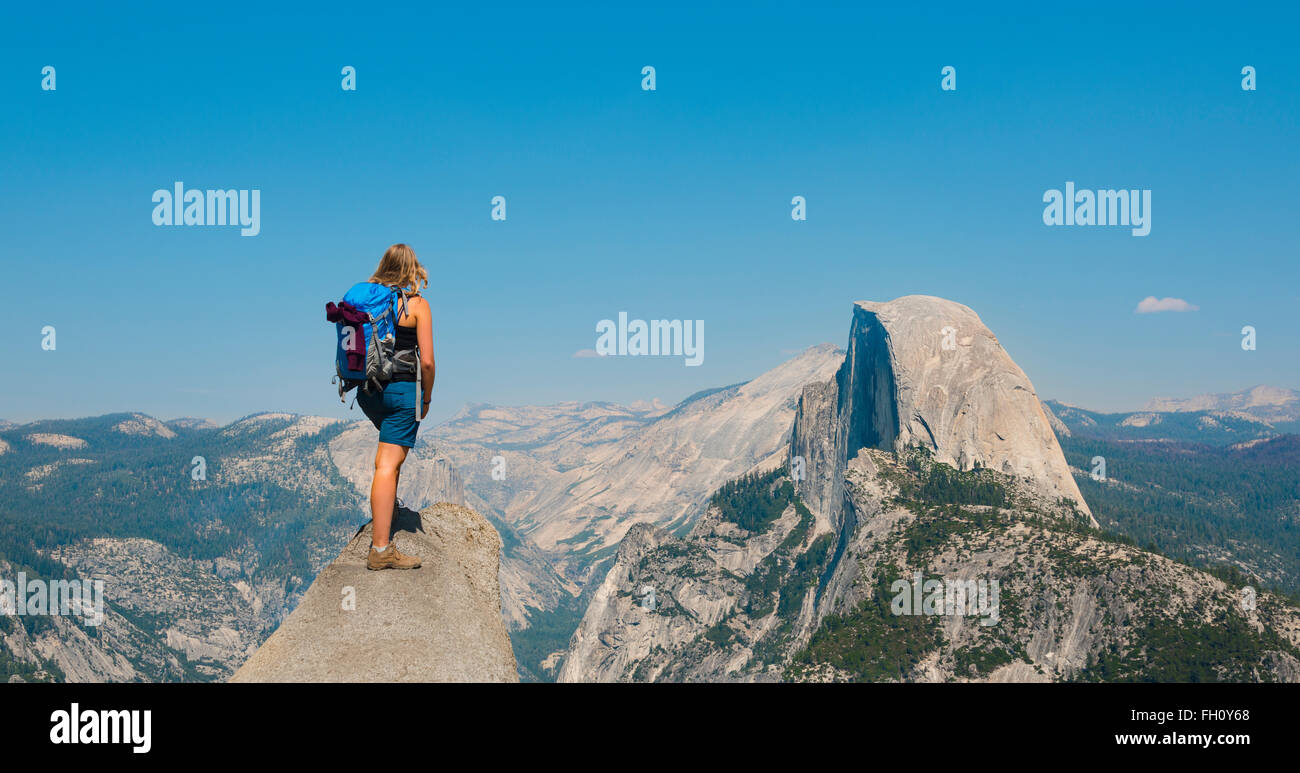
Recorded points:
(1152, 305)
(583, 354)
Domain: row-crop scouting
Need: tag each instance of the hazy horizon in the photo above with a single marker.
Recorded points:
(355, 413)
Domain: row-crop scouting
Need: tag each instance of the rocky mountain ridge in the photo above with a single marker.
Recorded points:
(1271, 404)
(1071, 604)
(573, 483)
(903, 466)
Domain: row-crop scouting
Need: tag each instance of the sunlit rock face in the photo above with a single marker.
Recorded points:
(925, 371)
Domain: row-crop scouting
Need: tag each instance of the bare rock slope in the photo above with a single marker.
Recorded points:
(576, 480)
(926, 371)
(439, 623)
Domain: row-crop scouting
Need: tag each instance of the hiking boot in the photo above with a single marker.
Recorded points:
(392, 558)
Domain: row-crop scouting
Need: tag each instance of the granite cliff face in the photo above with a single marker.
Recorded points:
(439, 623)
(925, 371)
(652, 616)
(927, 455)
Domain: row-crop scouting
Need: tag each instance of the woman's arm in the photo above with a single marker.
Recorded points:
(424, 335)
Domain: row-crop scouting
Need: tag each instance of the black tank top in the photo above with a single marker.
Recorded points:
(405, 340)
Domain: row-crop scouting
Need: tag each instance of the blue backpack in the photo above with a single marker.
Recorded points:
(366, 323)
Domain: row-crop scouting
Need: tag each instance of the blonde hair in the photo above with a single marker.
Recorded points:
(400, 268)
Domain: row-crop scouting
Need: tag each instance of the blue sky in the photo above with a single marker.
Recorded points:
(667, 204)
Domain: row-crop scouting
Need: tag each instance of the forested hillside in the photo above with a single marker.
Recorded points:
(1207, 505)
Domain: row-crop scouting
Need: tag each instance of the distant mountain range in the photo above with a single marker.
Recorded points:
(1271, 404)
(203, 570)
(1225, 419)
(1218, 419)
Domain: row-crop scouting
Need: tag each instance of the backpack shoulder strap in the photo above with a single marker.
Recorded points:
(399, 305)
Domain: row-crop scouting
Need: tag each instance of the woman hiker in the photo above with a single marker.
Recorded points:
(393, 410)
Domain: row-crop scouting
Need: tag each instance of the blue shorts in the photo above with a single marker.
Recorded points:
(392, 412)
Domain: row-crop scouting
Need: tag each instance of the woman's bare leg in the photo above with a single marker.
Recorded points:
(383, 491)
